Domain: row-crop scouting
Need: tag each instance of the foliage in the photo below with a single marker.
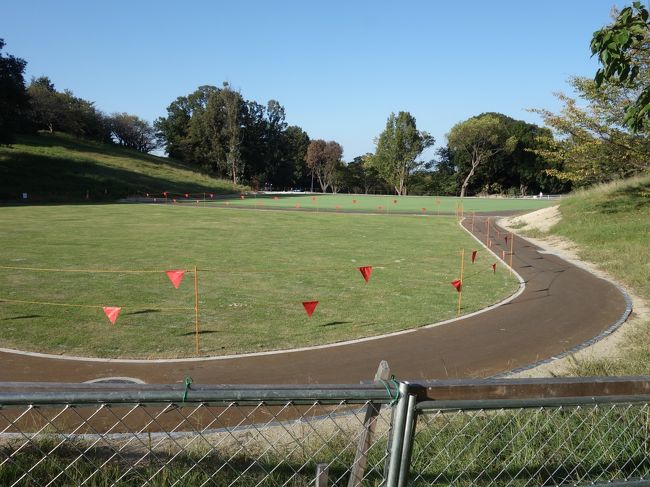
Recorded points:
(133, 132)
(13, 97)
(593, 143)
(438, 177)
(476, 141)
(324, 159)
(293, 167)
(362, 178)
(217, 130)
(623, 49)
(52, 110)
(398, 147)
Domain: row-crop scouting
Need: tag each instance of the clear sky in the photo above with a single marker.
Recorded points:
(338, 67)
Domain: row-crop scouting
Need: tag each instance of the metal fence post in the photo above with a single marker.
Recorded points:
(407, 445)
(394, 459)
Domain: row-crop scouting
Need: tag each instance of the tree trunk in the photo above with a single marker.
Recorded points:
(466, 182)
(475, 163)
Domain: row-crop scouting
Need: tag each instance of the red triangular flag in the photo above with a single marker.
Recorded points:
(175, 276)
(457, 284)
(474, 255)
(112, 313)
(494, 267)
(366, 271)
(310, 306)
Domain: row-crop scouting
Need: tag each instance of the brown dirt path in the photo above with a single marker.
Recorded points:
(562, 306)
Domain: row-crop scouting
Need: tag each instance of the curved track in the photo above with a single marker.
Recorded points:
(561, 307)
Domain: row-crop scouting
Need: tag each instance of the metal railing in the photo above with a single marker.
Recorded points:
(486, 432)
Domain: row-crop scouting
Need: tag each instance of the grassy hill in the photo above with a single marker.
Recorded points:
(611, 225)
(61, 168)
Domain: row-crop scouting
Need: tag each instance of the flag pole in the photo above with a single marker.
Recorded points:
(462, 269)
(512, 240)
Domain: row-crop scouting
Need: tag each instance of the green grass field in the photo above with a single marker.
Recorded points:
(255, 270)
(386, 204)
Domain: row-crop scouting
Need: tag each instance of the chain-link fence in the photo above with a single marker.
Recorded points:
(533, 445)
(195, 436)
(501, 433)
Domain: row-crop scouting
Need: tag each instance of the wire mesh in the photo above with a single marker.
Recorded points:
(565, 445)
(188, 444)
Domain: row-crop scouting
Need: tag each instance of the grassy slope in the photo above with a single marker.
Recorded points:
(256, 269)
(611, 224)
(60, 168)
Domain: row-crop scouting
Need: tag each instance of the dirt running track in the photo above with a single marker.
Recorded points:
(562, 306)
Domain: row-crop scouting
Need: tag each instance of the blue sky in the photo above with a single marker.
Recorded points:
(338, 67)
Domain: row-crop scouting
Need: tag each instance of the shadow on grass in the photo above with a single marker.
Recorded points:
(22, 317)
(201, 332)
(81, 178)
(334, 323)
(142, 312)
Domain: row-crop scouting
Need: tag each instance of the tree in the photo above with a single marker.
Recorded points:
(398, 147)
(593, 144)
(476, 141)
(62, 111)
(294, 170)
(219, 131)
(232, 103)
(182, 129)
(324, 159)
(45, 103)
(623, 49)
(362, 177)
(13, 97)
(133, 132)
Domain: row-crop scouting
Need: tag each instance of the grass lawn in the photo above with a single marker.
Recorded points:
(255, 270)
(388, 204)
(611, 225)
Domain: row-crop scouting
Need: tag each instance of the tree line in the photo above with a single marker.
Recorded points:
(599, 135)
